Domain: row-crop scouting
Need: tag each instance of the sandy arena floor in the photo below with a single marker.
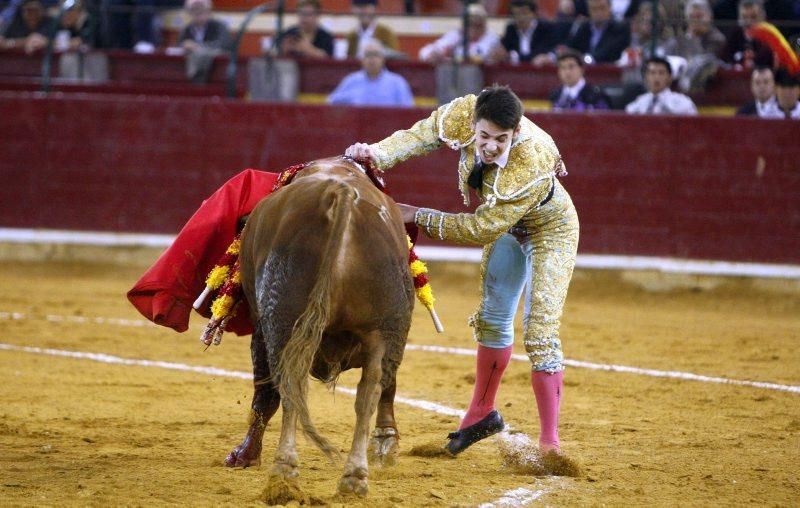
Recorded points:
(77, 431)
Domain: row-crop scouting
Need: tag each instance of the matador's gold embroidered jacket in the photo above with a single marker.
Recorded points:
(509, 194)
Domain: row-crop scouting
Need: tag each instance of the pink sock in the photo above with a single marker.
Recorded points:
(547, 389)
(491, 364)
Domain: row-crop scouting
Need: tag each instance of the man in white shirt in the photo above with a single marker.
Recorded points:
(481, 42)
(659, 99)
(787, 92)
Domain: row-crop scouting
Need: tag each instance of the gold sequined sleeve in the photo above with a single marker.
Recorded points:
(420, 139)
(425, 136)
(490, 220)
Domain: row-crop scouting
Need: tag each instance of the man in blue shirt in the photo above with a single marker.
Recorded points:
(373, 85)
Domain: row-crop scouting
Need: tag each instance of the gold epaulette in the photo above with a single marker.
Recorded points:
(455, 122)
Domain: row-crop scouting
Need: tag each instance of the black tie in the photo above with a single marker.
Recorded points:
(653, 103)
(475, 179)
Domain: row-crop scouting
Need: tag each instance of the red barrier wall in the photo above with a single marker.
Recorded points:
(708, 188)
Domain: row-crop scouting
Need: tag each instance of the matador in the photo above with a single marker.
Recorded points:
(529, 229)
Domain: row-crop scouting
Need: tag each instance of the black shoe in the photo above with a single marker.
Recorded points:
(466, 437)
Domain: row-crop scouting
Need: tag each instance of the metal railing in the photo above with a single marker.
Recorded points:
(233, 62)
(47, 62)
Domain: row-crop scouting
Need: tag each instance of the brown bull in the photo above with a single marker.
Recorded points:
(324, 268)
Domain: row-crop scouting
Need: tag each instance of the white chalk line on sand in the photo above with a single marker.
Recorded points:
(55, 318)
(516, 497)
(688, 376)
(671, 374)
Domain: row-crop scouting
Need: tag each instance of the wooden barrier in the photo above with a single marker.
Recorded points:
(707, 188)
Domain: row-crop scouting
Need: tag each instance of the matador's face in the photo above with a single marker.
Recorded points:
(491, 140)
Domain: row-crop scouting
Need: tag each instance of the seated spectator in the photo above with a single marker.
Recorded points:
(528, 38)
(203, 31)
(202, 39)
(787, 92)
(29, 28)
(131, 24)
(567, 21)
(774, 10)
(699, 45)
(642, 45)
(481, 42)
(307, 39)
(78, 26)
(620, 9)
(369, 28)
(741, 51)
(675, 14)
(701, 36)
(373, 85)
(764, 104)
(601, 38)
(659, 99)
(575, 94)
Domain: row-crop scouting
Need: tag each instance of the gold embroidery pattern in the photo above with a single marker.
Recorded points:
(555, 244)
(455, 122)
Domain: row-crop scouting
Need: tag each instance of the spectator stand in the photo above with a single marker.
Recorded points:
(163, 73)
(413, 32)
(160, 73)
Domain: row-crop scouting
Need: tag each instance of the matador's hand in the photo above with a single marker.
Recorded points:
(361, 151)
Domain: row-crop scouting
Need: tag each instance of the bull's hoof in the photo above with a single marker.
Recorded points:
(285, 465)
(384, 446)
(282, 491)
(243, 456)
(354, 483)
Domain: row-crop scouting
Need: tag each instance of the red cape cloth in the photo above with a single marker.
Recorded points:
(166, 292)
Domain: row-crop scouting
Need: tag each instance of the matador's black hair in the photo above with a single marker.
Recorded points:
(499, 105)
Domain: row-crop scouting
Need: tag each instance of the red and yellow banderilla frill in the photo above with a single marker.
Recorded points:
(226, 280)
(422, 287)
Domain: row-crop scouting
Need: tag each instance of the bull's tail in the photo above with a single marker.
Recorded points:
(298, 354)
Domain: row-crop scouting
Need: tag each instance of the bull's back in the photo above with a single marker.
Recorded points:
(333, 220)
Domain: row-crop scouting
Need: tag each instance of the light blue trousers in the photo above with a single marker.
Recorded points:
(543, 273)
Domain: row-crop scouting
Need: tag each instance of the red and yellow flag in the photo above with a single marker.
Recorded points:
(785, 56)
